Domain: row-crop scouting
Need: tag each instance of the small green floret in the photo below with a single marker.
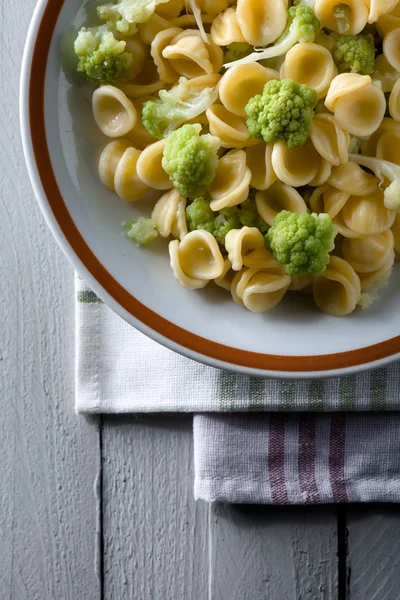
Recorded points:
(101, 57)
(199, 215)
(301, 243)
(227, 219)
(284, 111)
(191, 159)
(355, 53)
(249, 217)
(125, 14)
(141, 231)
(161, 117)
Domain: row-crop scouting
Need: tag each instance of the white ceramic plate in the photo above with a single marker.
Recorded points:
(62, 146)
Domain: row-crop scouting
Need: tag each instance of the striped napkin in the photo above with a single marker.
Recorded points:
(301, 452)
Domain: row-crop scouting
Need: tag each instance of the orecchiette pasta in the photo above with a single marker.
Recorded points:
(279, 197)
(376, 280)
(232, 181)
(230, 128)
(196, 259)
(358, 104)
(169, 215)
(357, 15)
(328, 199)
(259, 290)
(261, 22)
(368, 147)
(259, 161)
(389, 21)
(188, 21)
(388, 147)
(338, 290)
(311, 64)
(352, 179)
(394, 102)
(170, 10)
(213, 7)
(118, 170)
(330, 140)
(225, 29)
(240, 242)
(367, 214)
(385, 73)
(260, 258)
(146, 83)
(391, 50)
(300, 282)
(149, 30)
(241, 83)
(113, 112)
(295, 166)
(396, 235)
(225, 279)
(190, 57)
(159, 43)
(139, 136)
(139, 52)
(369, 253)
(323, 173)
(150, 168)
(378, 8)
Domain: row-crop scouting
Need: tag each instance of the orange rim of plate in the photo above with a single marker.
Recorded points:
(190, 341)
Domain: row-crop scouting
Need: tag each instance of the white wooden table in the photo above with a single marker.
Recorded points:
(103, 508)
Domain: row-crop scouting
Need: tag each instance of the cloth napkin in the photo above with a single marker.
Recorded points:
(300, 452)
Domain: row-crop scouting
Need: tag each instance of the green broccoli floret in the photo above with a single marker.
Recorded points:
(249, 217)
(199, 215)
(283, 111)
(302, 26)
(191, 159)
(101, 57)
(301, 243)
(342, 14)
(355, 53)
(383, 168)
(125, 14)
(141, 231)
(227, 219)
(182, 103)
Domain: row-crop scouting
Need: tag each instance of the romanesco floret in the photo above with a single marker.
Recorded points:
(227, 219)
(101, 57)
(125, 14)
(141, 231)
(301, 242)
(236, 51)
(249, 217)
(199, 215)
(355, 53)
(191, 159)
(283, 111)
(182, 103)
(383, 168)
(302, 26)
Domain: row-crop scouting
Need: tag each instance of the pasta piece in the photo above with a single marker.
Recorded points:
(169, 215)
(389, 21)
(160, 42)
(352, 180)
(329, 139)
(225, 29)
(378, 8)
(260, 164)
(279, 197)
(396, 235)
(391, 45)
(259, 290)
(152, 27)
(369, 253)
(338, 290)
(225, 279)
(358, 105)
(375, 281)
(230, 128)
(369, 146)
(113, 112)
(300, 282)
(342, 228)
(367, 214)
(394, 102)
(231, 184)
(388, 147)
(261, 258)
(261, 22)
(323, 173)
(327, 199)
(196, 259)
(213, 7)
(295, 166)
(118, 170)
(385, 74)
(171, 9)
(240, 242)
(139, 135)
(189, 21)
(311, 64)
(357, 14)
(241, 83)
(150, 168)
(137, 48)
(145, 84)
(191, 57)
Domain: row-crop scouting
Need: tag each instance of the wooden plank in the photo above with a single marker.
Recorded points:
(373, 552)
(49, 457)
(269, 553)
(155, 535)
